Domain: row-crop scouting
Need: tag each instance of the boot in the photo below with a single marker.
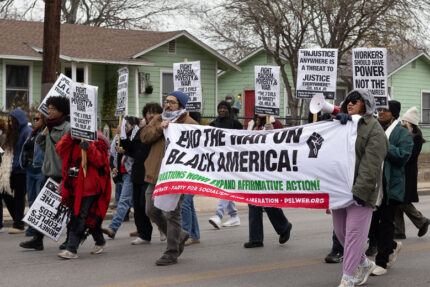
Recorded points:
(34, 243)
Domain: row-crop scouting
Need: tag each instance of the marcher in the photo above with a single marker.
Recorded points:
(410, 121)
(351, 223)
(12, 175)
(276, 215)
(168, 222)
(126, 197)
(58, 125)
(87, 196)
(225, 121)
(393, 186)
(31, 159)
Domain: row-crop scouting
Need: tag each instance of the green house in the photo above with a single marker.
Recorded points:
(93, 55)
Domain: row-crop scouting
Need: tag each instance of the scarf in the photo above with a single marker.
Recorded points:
(172, 116)
(56, 122)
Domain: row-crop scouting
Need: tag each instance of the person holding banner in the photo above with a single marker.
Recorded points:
(170, 222)
(57, 126)
(276, 215)
(351, 223)
(87, 197)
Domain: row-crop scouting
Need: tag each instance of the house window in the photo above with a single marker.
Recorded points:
(17, 86)
(425, 109)
(80, 74)
(172, 47)
(167, 85)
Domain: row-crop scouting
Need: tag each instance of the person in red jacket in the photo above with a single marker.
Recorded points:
(87, 197)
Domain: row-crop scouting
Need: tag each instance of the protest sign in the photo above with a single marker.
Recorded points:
(122, 93)
(43, 216)
(83, 112)
(370, 72)
(316, 73)
(267, 90)
(61, 88)
(186, 78)
(309, 166)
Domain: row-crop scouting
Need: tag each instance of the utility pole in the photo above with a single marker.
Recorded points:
(51, 44)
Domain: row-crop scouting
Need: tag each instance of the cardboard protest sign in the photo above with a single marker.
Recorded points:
(309, 166)
(83, 112)
(186, 78)
(60, 88)
(316, 73)
(122, 93)
(42, 215)
(370, 72)
(267, 90)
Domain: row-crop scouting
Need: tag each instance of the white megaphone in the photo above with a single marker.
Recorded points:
(318, 104)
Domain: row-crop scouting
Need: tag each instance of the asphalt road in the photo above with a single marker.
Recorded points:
(219, 260)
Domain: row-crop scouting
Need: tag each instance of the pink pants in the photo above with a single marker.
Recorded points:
(351, 225)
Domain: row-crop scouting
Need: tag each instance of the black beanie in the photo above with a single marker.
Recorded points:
(226, 104)
(394, 107)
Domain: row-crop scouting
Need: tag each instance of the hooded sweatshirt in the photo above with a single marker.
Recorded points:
(24, 130)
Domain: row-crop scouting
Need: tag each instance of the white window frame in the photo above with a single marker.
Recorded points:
(391, 95)
(30, 80)
(74, 66)
(421, 118)
(163, 71)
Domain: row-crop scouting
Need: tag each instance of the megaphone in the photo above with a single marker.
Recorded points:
(318, 104)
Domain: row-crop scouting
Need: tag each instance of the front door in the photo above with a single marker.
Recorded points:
(249, 106)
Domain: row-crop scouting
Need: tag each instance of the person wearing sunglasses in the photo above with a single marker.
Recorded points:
(31, 160)
(352, 221)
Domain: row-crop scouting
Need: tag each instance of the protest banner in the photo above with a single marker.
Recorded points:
(60, 88)
(267, 90)
(316, 73)
(186, 78)
(43, 215)
(309, 166)
(122, 93)
(83, 112)
(369, 68)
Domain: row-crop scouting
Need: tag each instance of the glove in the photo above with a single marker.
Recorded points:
(84, 145)
(268, 127)
(40, 139)
(343, 118)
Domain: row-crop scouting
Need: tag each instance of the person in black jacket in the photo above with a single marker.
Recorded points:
(139, 151)
(224, 119)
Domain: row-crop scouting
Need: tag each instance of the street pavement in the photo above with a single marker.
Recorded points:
(219, 260)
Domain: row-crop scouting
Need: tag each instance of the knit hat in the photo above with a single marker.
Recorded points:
(394, 107)
(181, 97)
(411, 116)
(225, 104)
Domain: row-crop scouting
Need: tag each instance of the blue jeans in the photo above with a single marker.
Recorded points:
(118, 188)
(34, 180)
(124, 204)
(228, 205)
(189, 217)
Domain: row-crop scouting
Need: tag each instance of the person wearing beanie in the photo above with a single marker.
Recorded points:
(410, 121)
(399, 151)
(169, 222)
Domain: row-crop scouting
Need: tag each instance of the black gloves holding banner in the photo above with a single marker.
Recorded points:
(343, 118)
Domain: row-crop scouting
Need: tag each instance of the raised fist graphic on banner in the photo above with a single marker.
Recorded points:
(314, 142)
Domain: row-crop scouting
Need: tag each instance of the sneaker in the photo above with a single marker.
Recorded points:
(109, 232)
(233, 221)
(362, 273)
(97, 249)
(139, 241)
(215, 221)
(378, 271)
(163, 236)
(134, 233)
(66, 254)
(423, 230)
(192, 241)
(251, 244)
(334, 257)
(14, 230)
(371, 251)
(393, 256)
(286, 235)
(346, 282)
(166, 260)
(36, 244)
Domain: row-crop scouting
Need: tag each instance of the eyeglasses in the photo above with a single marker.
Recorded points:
(36, 119)
(353, 102)
(382, 110)
(170, 102)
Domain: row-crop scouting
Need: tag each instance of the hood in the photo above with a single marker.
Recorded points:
(368, 99)
(20, 116)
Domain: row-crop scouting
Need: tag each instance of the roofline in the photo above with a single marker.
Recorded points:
(196, 41)
(407, 63)
(101, 61)
(19, 57)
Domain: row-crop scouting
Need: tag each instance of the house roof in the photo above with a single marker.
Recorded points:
(82, 43)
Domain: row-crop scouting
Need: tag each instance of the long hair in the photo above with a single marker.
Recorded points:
(12, 134)
(3, 125)
(417, 132)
